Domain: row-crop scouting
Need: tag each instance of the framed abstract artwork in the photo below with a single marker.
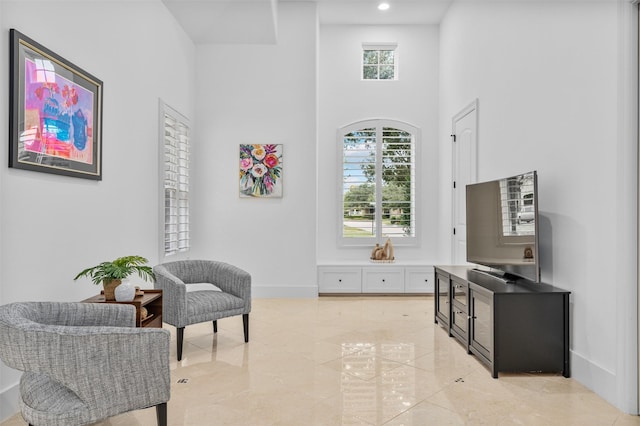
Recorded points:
(261, 170)
(55, 113)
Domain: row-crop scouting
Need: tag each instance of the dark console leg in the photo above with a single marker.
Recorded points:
(215, 326)
(566, 372)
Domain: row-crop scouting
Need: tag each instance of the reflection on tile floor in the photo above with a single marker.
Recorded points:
(354, 361)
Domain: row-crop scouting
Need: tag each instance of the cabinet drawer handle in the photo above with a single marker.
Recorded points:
(383, 280)
(339, 280)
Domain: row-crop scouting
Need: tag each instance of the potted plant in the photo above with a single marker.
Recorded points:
(111, 274)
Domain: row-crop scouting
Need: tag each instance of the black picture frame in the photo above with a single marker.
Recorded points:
(55, 112)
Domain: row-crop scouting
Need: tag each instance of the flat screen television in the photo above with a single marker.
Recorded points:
(502, 226)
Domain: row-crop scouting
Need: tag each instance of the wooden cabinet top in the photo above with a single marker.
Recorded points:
(149, 296)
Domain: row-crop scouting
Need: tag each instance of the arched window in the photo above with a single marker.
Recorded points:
(378, 182)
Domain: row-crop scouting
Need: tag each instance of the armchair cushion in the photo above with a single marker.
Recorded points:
(40, 394)
(201, 287)
(201, 305)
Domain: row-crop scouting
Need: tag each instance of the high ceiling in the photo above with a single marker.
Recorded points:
(366, 11)
(255, 21)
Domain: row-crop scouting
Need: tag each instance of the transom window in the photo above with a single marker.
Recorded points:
(379, 62)
(378, 183)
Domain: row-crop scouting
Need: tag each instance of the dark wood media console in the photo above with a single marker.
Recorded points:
(511, 327)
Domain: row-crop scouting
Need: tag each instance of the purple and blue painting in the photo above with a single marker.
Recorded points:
(57, 114)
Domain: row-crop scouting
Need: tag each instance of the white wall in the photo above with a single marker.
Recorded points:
(552, 84)
(344, 98)
(550, 79)
(53, 226)
(259, 94)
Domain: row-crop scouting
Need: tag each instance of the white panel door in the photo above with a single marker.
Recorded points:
(464, 172)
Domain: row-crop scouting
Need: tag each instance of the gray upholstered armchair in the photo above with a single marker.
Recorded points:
(84, 362)
(195, 291)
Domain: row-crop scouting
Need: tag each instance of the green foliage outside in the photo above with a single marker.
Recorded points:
(396, 178)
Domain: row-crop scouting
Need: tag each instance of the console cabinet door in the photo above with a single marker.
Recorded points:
(459, 311)
(481, 323)
(442, 301)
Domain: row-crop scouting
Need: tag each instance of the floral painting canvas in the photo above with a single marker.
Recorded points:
(261, 170)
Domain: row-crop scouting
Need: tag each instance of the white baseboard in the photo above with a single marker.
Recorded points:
(9, 402)
(598, 379)
(295, 292)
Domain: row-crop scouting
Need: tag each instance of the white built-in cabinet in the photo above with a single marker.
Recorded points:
(375, 278)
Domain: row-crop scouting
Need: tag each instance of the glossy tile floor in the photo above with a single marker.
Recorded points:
(355, 361)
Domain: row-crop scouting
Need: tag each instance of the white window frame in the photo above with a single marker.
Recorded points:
(379, 124)
(174, 153)
(380, 46)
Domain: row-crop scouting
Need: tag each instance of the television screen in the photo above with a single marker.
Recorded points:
(502, 225)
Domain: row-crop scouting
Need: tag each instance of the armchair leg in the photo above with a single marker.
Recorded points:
(245, 323)
(161, 414)
(215, 326)
(180, 336)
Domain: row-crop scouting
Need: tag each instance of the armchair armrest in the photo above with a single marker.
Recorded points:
(232, 280)
(174, 296)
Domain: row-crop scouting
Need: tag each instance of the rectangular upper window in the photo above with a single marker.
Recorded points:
(379, 61)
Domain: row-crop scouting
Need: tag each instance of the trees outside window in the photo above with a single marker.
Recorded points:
(379, 61)
(378, 182)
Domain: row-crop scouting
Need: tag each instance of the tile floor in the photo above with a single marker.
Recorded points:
(354, 361)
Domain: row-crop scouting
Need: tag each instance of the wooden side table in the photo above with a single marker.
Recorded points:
(151, 300)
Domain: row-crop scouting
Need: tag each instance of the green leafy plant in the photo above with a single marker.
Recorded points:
(118, 269)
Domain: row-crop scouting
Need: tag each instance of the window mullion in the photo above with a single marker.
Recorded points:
(378, 208)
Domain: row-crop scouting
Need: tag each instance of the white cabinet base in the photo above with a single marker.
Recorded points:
(375, 279)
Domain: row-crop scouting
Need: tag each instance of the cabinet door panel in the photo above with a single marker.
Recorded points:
(459, 321)
(377, 280)
(339, 280)
(481, 311)
(459, 292)
(418, 280)
(443, 307)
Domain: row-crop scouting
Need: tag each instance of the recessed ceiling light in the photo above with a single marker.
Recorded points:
(383, 6)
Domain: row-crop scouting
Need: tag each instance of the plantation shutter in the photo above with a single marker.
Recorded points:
(358, 184)
(176, 182)
(398, 177)
(378, 183)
